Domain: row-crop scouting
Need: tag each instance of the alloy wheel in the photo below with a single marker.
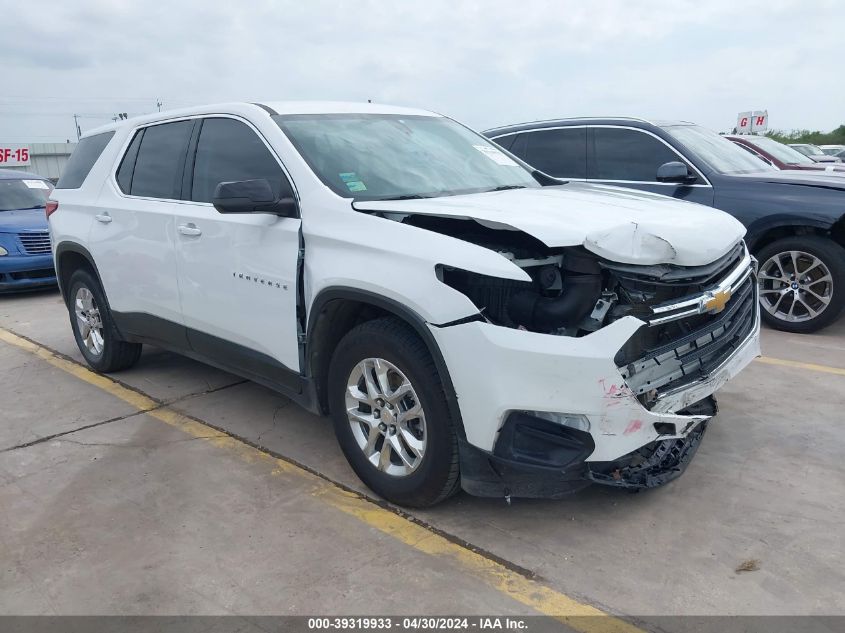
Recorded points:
(89, 321)
(386, 417)
(795, 286)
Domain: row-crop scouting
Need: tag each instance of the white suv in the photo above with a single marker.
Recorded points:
(467, 322)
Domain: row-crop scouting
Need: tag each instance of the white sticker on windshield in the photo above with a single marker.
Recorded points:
(36, 184)
(495, 155)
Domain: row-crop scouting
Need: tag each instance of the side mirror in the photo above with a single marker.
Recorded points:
(675, 171)
(251, 196)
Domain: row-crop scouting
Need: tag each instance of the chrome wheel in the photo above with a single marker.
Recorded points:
(386, 417)
(88, 321)
(795, 286)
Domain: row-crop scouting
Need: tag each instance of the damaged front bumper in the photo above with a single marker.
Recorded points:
(657, 463)
(502, 376)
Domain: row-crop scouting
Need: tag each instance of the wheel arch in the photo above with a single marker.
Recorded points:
(767, 230)
(69, 257)
(336, 310)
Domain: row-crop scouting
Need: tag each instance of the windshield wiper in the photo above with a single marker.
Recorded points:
(505, 188)
(406, 196)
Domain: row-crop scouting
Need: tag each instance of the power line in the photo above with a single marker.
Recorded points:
(87, 115)
(66, 98)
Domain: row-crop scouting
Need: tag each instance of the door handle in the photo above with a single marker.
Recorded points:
(105, 218)
(189, 229)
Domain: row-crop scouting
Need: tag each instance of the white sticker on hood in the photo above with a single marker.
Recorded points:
(495, 155)
(36, 184)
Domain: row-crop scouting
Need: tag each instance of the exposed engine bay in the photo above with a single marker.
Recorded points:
(572, 292)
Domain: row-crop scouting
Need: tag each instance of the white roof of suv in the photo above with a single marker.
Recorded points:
(279, 107)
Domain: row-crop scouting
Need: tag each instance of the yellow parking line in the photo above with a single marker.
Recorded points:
(575, 614)
(838, 371)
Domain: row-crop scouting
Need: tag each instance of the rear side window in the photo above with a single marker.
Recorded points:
(127, 165)
(560, 153)
(620, 154)
(228, 150)
(160, 161)
(87, 152)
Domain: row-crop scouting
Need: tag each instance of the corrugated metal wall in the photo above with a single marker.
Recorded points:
(47, 159)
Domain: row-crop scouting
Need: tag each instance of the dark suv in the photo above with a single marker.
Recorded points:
(795, 221)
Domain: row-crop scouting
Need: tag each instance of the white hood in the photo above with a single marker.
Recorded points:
(621, 225)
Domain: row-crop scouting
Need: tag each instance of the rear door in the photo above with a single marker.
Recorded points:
(237, 273)
(132, 236)
(630, 157)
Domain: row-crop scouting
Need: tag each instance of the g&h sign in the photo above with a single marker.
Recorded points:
(752, 122)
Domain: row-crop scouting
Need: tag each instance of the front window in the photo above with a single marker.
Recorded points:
(627, 155)
(716, 151)
(382, 156)
(23, 194)
(782, 152)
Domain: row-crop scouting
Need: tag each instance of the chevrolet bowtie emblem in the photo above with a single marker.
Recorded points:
(715, 302)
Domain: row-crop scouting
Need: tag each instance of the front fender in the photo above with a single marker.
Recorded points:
(763, 225)
(396, 261)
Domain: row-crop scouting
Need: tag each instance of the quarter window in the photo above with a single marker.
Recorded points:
(127, 165)
(229, 150)
(560, 153)
(620, 154)
(161, 157)
(87, 152)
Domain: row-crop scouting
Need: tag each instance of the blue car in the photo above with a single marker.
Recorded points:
(26, 261)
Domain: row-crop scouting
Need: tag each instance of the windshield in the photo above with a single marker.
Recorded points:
(23, 194)
(382, 156)
(716, 151)
(809, 150)
(780, 151)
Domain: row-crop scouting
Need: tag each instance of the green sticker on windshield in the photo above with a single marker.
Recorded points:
(352, 181)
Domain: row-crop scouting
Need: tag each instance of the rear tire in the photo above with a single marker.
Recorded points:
(809, 298)
(390, 414)
(93, 326)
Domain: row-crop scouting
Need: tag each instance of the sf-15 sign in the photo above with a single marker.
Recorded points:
(13, 155)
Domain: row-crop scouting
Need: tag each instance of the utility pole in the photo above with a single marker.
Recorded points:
(158, 104)
(76, 125)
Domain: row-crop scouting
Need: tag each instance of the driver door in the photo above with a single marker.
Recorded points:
(237, 273)
(628, 157)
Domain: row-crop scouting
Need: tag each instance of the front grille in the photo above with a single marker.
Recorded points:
(694, 355)
(35, 242)
(666, 282)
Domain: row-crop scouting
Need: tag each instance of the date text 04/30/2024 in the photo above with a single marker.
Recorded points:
(407, 623)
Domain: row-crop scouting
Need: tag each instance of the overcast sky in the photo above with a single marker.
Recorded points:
(484, 63)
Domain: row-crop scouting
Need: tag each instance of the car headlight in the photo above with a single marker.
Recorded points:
(3, 251)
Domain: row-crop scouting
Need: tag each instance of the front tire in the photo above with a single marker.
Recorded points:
(802, 283)
(390, 414)
(93, 326)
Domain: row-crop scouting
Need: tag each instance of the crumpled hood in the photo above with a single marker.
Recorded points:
(621, 225)
(23, 220)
